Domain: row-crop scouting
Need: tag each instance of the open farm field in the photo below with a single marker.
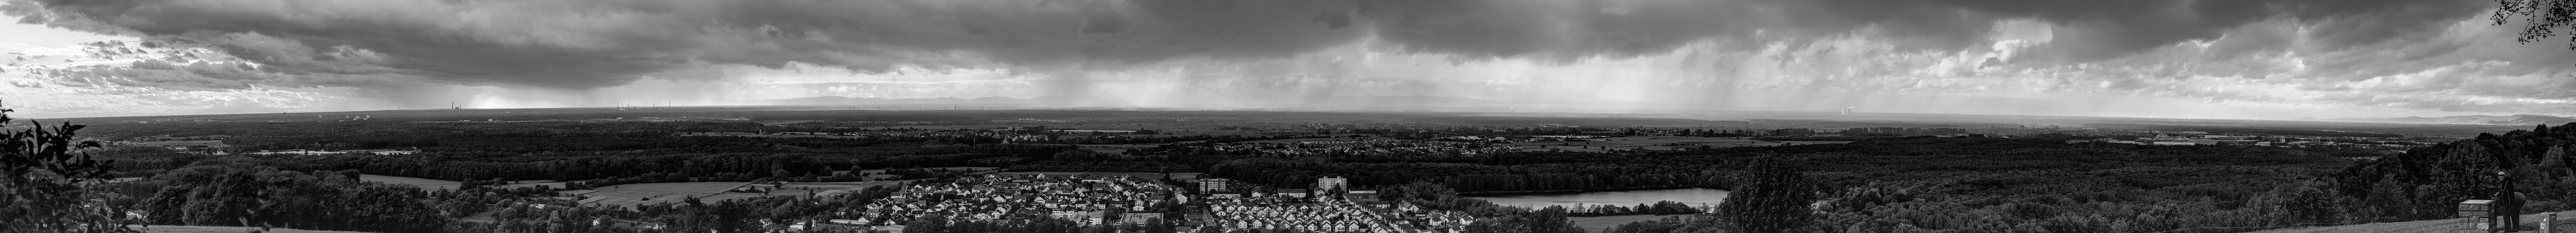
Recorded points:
(426, 184)
(1603, 223)
(2437, 225)
(704, 187)
(1294, 141)
(654, 193)
(883, 171)
(215, 229)
(829, 188)
(534, 183)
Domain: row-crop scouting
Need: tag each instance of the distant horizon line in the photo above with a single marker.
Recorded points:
(1149, 108)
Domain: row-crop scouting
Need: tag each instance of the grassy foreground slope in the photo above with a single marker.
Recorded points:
(2567, 220)
(1603, 223)
(212, 229)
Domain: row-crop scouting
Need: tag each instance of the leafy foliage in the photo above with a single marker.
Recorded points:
(229, 193)
(44, 182)
(1773, 198)
(2541, 18)
(2426, 182)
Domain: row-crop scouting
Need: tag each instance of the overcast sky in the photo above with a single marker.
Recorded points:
(2238, 59)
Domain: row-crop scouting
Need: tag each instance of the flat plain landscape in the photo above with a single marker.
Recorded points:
(424, 184)
(1285, 116)
(217, 229)
(658, 193)
(1604, 223)
(726, 158)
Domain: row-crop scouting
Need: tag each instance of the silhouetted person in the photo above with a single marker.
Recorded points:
(2508, 205)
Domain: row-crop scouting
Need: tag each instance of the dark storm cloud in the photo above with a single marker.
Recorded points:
(597, 43)
(585, 43)
(1561, 29)
(2094, 30)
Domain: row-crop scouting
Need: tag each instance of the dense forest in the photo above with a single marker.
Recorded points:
(2423, 183)
(2243, 191)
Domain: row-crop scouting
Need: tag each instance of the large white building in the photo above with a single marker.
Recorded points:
(1215, 184)
(1327, 184)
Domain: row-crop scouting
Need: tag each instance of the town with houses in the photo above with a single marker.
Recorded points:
(1123, 201)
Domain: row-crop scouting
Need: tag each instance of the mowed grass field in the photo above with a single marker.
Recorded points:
(654, 193)
(424, 184)
(883, 171)
(827, 188)
(698, 187)
(1297, 140)
(1181, 129)
(208, 229)
(2566, 220)
(1598, 224)
(935, 127)
(534, 183)
(770, 135)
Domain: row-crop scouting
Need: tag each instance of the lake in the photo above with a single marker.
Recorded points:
(1694, 196)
